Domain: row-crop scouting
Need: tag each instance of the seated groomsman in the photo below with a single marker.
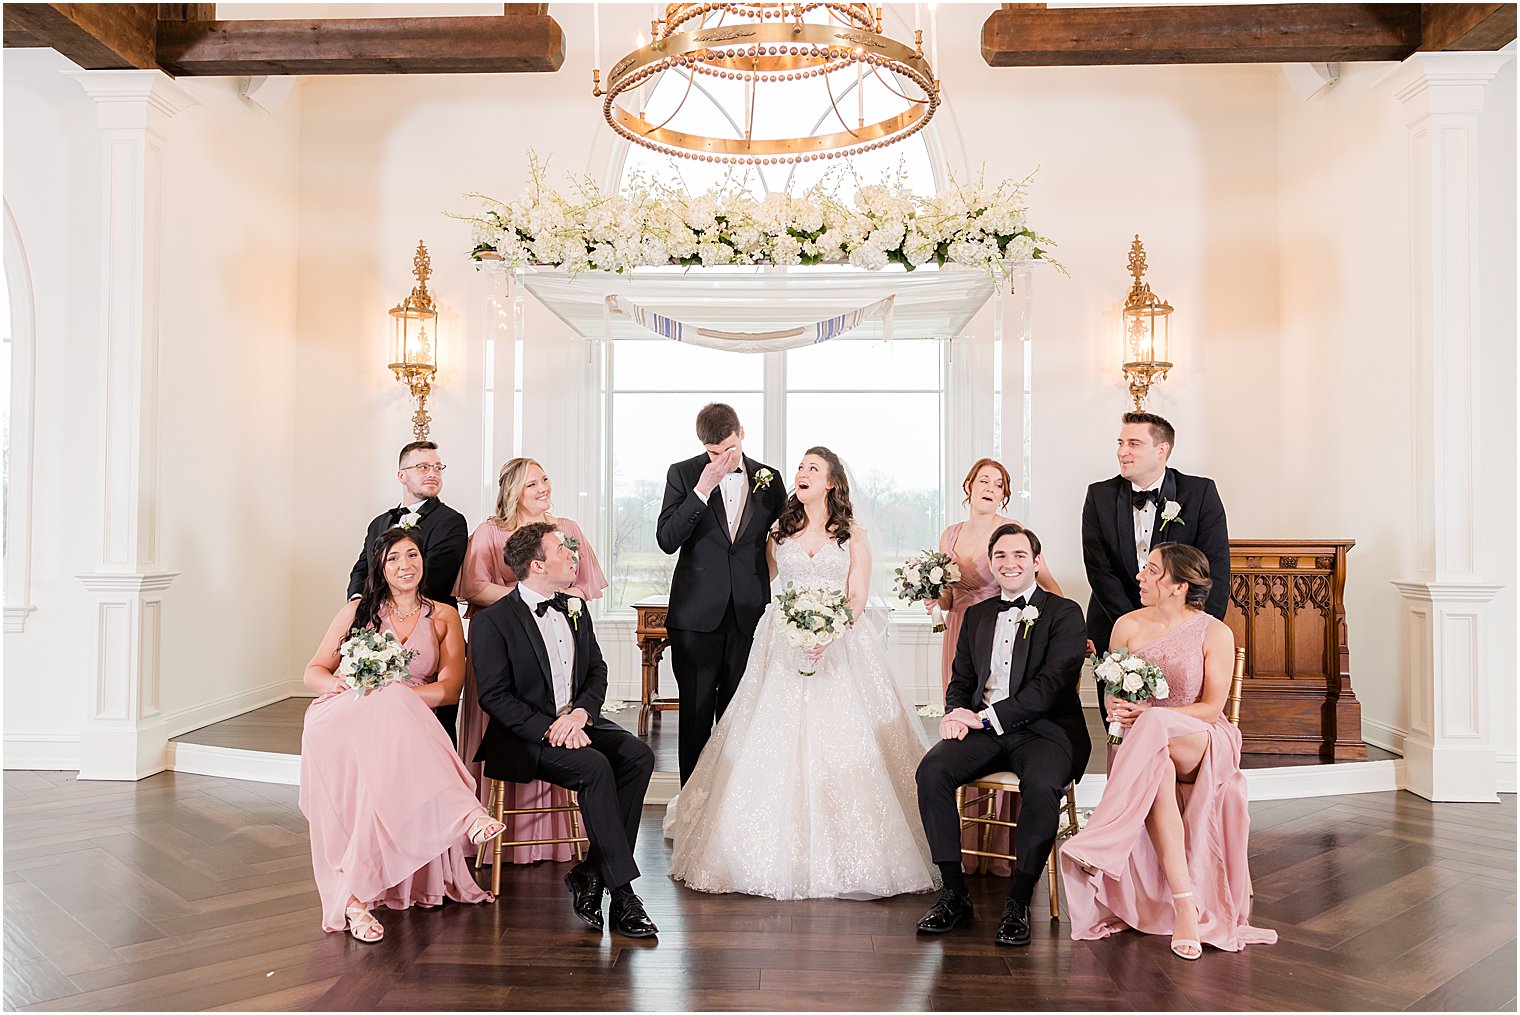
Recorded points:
(542, 681)
(441, 532)
(1145, 504)
(1011, 705)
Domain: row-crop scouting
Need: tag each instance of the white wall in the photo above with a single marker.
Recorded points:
(1344, 408)
(229, 467)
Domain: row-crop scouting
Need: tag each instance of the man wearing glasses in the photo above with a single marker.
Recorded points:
(440, 530)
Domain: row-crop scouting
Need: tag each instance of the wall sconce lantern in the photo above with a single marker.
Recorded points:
(414, 341)
(1147, 332)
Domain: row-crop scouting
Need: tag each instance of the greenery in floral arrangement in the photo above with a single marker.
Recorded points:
(977, 224)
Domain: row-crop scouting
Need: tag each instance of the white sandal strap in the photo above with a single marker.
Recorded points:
(1182, 895)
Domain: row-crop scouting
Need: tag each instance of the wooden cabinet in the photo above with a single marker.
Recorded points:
(1287, 607)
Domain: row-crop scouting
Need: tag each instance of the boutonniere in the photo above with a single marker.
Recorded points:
(574, 545)
(1027, 616)
(409, 521)
(762, 480)
(1170, 512)
(573, 608)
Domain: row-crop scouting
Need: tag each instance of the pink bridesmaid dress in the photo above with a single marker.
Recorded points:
(1128, 887)
(483, 565)
(388, 802)
(976, 584)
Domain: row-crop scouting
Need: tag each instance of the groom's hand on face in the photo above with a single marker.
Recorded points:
(716, 469)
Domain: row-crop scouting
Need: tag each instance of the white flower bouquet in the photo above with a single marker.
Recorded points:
(980, 224)
(1131, 678)
(370, 659)
(923, 577)
(813, 616)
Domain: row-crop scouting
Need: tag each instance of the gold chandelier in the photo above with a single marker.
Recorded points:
(763, 45)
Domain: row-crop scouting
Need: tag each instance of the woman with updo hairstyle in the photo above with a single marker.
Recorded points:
(1165, 850)
(523, 497)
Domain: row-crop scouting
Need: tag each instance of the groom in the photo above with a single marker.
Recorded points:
(1011, 705)
(718, 508)
(542, 680)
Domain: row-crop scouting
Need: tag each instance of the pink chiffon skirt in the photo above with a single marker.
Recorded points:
(388, 802)
(1128, 887)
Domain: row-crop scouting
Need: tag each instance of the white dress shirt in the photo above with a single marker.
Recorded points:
(1004, 638)
(733, 487)
(555, 629)
(1144, 518)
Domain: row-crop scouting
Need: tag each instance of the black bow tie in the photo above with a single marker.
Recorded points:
(559, 602)
(1011, 604)
(1139, 498)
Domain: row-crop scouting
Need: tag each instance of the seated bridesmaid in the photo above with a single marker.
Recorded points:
(1165, 850)
(522, 498)
(988, 488)
(388, 801)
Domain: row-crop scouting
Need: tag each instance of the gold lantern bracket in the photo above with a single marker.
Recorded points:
(414, 341)
(1147, 331)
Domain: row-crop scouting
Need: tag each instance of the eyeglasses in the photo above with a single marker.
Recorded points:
(427, 468)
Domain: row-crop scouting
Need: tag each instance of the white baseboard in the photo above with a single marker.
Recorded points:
(228, 706)
(42, 752)
(1505, 763)
(1389, 738)
(232, 763)
(1292, 782)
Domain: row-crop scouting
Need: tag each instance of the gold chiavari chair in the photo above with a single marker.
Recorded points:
(983, 793)
(498, 800)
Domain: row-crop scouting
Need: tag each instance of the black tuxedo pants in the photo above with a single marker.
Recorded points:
(610, 777)
(1043, 767)
(448, 715)
(708, 666)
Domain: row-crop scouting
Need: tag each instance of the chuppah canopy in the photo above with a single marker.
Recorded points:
(763, 309)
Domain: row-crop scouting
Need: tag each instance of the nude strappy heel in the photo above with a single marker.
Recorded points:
(1184, 948)
(362, 924)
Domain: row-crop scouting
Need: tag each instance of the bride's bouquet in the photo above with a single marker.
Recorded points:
(923, 577)
(1130, 678)
(370, 659)
(813, 616)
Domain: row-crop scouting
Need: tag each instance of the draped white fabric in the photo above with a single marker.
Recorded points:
(749, 341)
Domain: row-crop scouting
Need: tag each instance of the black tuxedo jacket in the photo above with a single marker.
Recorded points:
(512, 679)
(1108, 545)
(713, 570)
(1047, 664)
(443, 536)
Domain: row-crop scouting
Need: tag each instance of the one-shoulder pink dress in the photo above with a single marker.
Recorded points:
(1128, 887)
(483, 566)
(388, 802)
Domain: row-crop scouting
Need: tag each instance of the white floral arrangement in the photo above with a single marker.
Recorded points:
(980, 224)
(923, 577)
(370, 659)
(813, 617)
(1130, 678)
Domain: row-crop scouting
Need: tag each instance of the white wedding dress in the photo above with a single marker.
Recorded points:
(806, 789)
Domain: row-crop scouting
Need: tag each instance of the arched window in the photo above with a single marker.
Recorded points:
(880, 406)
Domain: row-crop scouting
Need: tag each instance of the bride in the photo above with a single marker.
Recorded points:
(806, 789)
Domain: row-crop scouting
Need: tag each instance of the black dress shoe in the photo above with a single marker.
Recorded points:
(628, 916)
(1013, 928)
(586, 895)
(947, 912)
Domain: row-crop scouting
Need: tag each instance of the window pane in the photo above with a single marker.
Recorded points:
(664, 365)
(648, 432)
(891, 445)
(862, 366)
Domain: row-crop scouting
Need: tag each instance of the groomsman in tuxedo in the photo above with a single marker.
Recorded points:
(1011, 705)
(1145, 504)
(718, 510)
(542, 682)
(441, 532)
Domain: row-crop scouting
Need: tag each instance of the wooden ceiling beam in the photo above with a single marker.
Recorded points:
(509, 43)
(95, 36)
(1023, 35)
(1470, 27)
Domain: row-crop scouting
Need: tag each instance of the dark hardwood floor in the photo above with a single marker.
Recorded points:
(188, 892)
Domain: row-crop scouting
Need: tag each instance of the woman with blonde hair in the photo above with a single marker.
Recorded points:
(523, 497)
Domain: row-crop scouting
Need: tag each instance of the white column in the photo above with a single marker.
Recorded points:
(1445, 626)
(123, 735)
